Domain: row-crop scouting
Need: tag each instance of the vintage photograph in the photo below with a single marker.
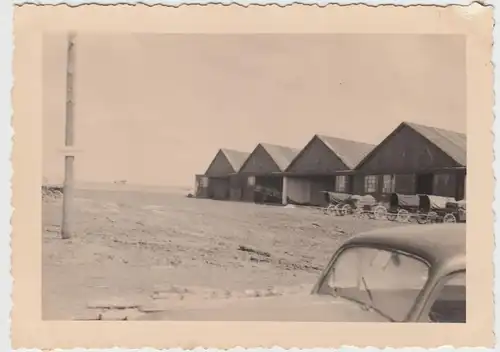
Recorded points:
(229, 176)
(254, 177)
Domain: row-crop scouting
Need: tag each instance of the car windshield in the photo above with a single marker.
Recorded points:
(385, 281)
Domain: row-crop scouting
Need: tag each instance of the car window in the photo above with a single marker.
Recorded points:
(385, 280)
(450, 304)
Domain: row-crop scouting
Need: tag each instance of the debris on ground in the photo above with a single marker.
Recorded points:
(259, 260)
(253, 250)
(114, 315)
(116, 303)
(53, 228)
(340, 230)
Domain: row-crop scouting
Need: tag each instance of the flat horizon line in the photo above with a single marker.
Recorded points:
(117, 185)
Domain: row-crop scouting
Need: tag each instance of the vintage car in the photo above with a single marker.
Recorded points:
(403, 274)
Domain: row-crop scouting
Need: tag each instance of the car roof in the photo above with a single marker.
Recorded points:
(434, 243)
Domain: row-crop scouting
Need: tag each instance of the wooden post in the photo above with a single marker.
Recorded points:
(284, 192)
(69, 158)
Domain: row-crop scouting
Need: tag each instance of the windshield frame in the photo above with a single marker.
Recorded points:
(322, 288)
(434, 290)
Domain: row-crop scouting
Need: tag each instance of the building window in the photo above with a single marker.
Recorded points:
(389, 185)
(251, 180)
(371, 183)
(340, 183)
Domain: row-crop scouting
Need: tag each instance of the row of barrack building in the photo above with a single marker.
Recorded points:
(412, 159)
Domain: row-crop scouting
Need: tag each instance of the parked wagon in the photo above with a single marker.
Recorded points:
(456, 211)
(360, 206)
(401, 206)
(422, 208)
(437, 209)
(368, 206)
(338, 203)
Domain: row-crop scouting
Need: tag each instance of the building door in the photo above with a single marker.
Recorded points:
(460, 186)
(350, 184)
(424, 184)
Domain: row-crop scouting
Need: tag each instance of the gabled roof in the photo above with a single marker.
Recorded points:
(235, 158)
(281, 155)
(453, 144)
(350, 152)
(232, 162)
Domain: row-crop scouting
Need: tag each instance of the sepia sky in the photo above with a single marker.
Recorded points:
(153, 109)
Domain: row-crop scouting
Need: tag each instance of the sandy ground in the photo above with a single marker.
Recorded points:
(136, 251)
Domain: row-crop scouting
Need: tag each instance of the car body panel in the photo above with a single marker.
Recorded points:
(436, 243)
(297, 308)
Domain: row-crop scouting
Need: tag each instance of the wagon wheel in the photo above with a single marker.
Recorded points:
(423, 218)
(336, 210)
(359, 213)
(449, 218)
(432, 216)
(346, 209)
(329, 209)
(391, 216)
(413, 217)
(403, 215)
(380, 212)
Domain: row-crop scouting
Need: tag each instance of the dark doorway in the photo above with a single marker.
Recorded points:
(350, 184)
(424, 184)
(268, 190)
(460, 186)
(219, 188)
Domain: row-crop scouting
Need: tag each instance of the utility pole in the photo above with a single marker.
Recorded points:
(69, 155)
